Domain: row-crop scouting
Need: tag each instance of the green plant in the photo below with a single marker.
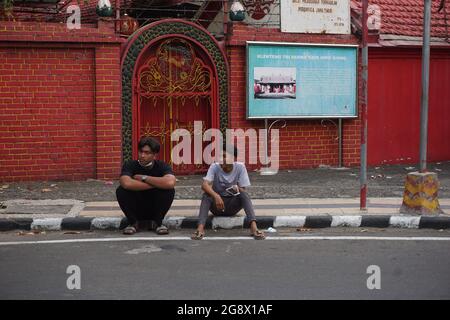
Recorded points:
(7, 8)
(7, 4)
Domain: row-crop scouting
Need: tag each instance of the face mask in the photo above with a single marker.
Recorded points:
(147, 165)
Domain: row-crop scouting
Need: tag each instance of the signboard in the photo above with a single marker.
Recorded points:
(290, 80)
(315, 16)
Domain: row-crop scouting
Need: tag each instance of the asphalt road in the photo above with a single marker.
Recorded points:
(233, 267)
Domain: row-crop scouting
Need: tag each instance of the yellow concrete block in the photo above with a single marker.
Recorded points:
(421, 194)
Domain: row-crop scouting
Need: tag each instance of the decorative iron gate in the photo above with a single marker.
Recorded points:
(175, 86)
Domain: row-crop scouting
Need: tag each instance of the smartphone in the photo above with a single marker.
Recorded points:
(234, 190)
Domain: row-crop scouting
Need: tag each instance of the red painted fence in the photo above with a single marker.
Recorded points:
(394, 106)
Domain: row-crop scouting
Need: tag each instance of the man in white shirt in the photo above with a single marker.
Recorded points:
(225, 195)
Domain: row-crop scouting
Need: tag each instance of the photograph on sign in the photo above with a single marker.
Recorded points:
(274, 83)
(288, 80)
(315, 16)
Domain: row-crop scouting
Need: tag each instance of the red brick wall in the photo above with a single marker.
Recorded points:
(60, 110)
(108, 111)
(47, 120)
(303, 143)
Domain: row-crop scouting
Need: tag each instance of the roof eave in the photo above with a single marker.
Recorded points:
(392, 40)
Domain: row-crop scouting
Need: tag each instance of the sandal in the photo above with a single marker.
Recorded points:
(162, 230)
(129, 230)
(197, 235)
(258, 235)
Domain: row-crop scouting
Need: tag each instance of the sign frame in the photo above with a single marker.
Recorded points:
(285, 29)
(294, 44)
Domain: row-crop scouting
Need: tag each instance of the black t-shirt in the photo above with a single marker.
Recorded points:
(159, 169)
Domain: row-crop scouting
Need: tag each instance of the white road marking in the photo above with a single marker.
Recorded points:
(269, 238)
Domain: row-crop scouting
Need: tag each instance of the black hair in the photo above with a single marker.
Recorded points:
(230, 149)
(150, 142)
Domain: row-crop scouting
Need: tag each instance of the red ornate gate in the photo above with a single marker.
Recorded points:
(175, 86)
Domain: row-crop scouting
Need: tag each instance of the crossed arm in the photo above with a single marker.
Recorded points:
(136, 184)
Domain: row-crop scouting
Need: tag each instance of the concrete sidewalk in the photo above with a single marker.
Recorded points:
(273, 207)
(322, 197)
(293, 212)
(383, 182)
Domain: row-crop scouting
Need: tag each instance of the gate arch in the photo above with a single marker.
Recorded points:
(153, 35)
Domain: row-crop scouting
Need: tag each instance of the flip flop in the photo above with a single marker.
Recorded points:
(162, 230)
(129, 230)
(258, 235)
(197, 235)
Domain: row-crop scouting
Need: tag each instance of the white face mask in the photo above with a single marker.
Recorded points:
(147, 165)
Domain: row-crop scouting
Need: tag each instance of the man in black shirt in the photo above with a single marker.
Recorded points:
(146, 188)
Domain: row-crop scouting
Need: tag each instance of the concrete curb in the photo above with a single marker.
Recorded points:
(116, 223)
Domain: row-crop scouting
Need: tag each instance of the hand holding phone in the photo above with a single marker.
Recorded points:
(233, 190)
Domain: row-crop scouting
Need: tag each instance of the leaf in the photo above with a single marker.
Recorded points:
(30, 233)
(72, 232)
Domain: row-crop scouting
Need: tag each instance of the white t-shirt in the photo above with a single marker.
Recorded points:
(222, 180)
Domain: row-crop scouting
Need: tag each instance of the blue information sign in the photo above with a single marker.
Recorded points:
(289, 80)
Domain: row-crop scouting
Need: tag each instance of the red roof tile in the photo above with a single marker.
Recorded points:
(405, 17)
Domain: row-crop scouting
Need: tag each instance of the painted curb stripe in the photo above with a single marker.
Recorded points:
(269, 238)
(173, 222)
(263, 222)
(227, 222)
(114, 223)
(404, 222)
(106, 223)
(318, 222)
(434, 223)
(16, 224)
(346, 221)
(79, 223)
(375, 221)
(51, 224)
(289, 221)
